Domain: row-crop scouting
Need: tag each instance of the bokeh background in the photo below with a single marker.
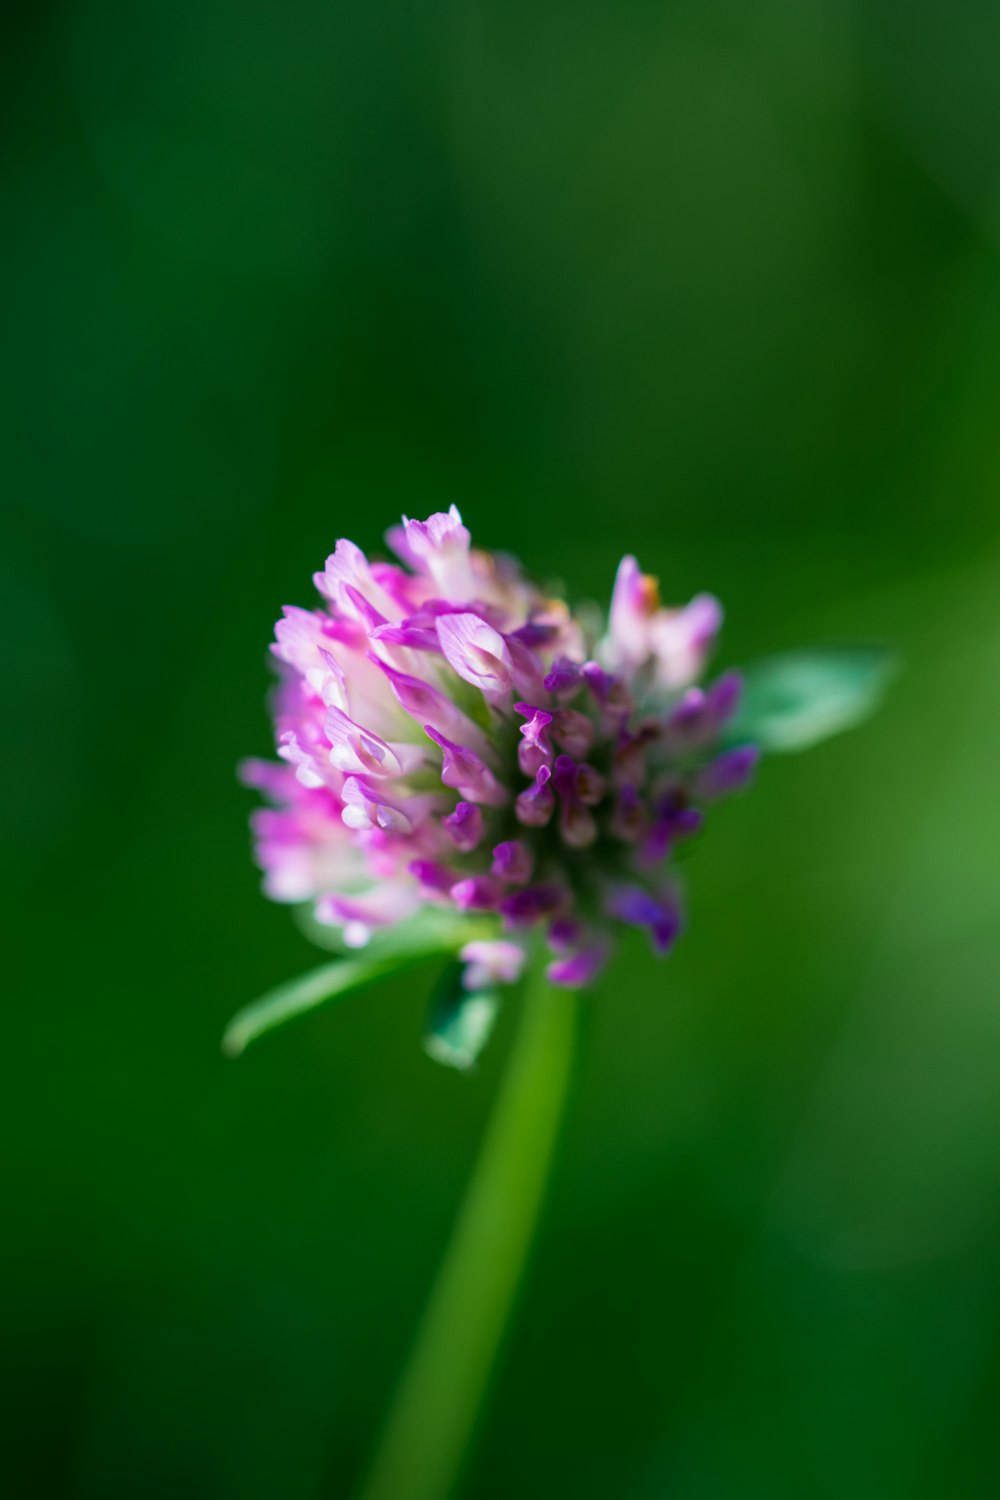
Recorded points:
(717, 283)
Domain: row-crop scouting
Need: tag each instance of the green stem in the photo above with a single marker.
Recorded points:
(432, 1419)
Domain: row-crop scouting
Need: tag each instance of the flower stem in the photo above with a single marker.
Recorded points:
(434, 1413)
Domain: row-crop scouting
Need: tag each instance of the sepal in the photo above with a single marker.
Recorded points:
(459, 1022)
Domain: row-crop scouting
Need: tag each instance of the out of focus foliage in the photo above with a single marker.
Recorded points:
(714, 283)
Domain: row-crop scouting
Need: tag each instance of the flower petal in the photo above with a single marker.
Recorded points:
(478, 653)
(513, 862)
(355, 749)
(490, 962)
(467, 773)
(729, 772)
(465, 825)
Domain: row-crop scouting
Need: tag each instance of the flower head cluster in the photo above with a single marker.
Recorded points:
(449, 734)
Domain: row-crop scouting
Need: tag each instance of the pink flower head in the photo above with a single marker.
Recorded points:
(444, 739)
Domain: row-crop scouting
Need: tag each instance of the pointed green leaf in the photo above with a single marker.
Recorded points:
(793, 701)
(460, 1023)
(300, 995)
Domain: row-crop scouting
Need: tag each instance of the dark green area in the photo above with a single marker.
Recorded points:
(715, 283)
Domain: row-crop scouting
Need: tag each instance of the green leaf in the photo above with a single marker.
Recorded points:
(301, 995)
(460, 1022)
(795, 700)
(428, 933)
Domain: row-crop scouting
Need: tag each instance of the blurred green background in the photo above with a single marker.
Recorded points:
(716, 283)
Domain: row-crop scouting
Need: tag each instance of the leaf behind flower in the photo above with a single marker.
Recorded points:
(428, 933)
(800, 698)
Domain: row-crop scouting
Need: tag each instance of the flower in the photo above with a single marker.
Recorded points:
(448, 735)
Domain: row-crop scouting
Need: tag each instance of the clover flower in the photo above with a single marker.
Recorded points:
(451, 736)
(467, 768)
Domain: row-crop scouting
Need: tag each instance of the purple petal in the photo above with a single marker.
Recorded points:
(565, 933)
(465, 825)
(365, 612)
(689, 712)
(479, 893)
(535, 750)
(686, 821)
(729, 772)
(699, 716)
(466, 772)
(413, 633)
(564, 677)
(434, 876)
(564, 775)
(673, 818)
(660, 915)
(535, 806)
(265, 776)
(513, 862)
(536, 633)
(724, 697)
(578, 969)
(522, 908)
